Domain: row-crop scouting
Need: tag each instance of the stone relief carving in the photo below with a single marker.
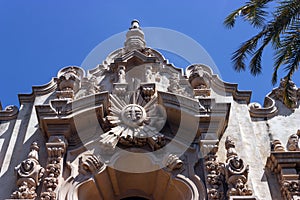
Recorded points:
(290, 189)
(173, 162)
(68, 82)
(214, 175)
(292, 144)
(89, 164)
(236, 172)
(200, 80)
(121, 74)
(56, 149)
(29, 173)
(133, 123)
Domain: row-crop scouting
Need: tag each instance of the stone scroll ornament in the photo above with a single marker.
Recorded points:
(236, 172)
(29, 173)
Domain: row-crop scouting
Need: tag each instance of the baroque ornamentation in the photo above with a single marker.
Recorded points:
(236, 172)
(56, 149)
(134, 123)
(293, 141)
(173, 162)
(29, 174)
(277, 146)
(89, 164)
(290, 189)
(214, 176)
(68, 82)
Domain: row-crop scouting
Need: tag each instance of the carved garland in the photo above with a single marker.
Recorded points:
(56, 150)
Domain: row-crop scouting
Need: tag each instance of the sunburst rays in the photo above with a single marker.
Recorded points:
(133, 120)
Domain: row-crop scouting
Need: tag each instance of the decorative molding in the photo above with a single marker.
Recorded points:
(285, 166)
(9, 113)
(56, 148)
(38, 91)
(269, 109)
(29, 173)
(215, 175)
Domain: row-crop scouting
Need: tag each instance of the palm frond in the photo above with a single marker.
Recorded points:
(253, 12)
(247, 48)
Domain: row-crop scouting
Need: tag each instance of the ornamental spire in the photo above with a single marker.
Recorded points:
(135, 39)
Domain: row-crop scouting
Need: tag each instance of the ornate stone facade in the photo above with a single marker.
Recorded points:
(138, 127)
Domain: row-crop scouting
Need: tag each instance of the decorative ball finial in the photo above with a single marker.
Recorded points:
(135, 24)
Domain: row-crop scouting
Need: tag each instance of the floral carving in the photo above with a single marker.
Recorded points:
(290, 189)
(56, 150)
(29, 174)
(214, 176)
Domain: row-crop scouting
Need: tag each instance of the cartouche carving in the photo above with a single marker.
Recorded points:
(29, 174)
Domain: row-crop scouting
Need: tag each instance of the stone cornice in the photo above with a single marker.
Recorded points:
(37, 91)
(9, 113)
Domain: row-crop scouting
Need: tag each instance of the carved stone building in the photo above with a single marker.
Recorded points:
(137, 127)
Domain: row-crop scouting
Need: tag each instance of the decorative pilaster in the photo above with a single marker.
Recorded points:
(214, 172)
(56, 148)
(29, 173)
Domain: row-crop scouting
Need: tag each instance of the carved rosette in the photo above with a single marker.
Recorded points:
(56, 149)
(29, 173)
(236, 172)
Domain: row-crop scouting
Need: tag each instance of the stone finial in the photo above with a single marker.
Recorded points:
(135, 39)
(29, 173)
(135, 24)
(293, 141)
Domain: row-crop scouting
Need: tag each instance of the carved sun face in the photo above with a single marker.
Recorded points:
(133, 121)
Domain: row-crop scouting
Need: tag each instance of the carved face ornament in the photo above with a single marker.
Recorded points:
(133, 120)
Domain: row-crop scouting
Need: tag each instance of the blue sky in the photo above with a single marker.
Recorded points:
(38, 38)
